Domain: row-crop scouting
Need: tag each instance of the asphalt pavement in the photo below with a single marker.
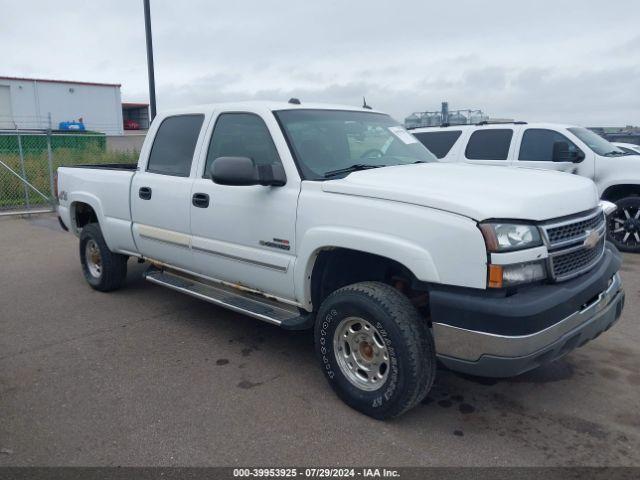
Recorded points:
(148, 376)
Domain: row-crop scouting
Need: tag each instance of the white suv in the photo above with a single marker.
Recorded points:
(630, 148)
(566, 148)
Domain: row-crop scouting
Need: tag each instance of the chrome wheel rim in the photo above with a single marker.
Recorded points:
(93, 258)
(624, 226)
(361, 353)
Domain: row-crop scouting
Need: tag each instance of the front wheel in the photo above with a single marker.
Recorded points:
(103, 269)
(623, 225)
(376, 352)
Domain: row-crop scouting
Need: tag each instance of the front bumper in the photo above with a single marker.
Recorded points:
(506, 346)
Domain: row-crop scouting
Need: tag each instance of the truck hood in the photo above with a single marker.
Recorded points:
(476, 191)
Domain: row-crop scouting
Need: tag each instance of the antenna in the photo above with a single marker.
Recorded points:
(364, 104)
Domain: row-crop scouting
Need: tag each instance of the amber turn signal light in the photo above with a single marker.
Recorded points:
(495, 276)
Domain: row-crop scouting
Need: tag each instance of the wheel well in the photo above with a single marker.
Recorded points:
(338, 267)
(617, 192)
(84, 214)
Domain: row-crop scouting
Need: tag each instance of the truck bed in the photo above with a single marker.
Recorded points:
(106, 189)
(106, 166)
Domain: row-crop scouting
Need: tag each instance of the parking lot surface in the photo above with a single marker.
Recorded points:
(148, 376)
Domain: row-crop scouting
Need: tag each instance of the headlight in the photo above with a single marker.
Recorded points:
(504, 276)
(608, 207)
(506, 237)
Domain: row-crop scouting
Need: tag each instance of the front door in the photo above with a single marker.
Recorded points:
(244, 234)
(538, 149)
(161, 192)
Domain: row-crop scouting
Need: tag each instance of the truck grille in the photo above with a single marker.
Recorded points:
(570, 253)
(566, 263)
(571, 231)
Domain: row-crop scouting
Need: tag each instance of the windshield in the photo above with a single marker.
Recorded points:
(596, 143)
(333, 143)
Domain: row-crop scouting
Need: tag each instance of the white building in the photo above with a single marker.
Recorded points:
(28, 102)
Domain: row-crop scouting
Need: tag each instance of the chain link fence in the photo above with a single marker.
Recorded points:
(29, 161)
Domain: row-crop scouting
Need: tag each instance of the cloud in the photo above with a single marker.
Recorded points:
(574, 62)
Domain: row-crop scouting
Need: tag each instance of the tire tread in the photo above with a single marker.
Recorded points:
(114, 265)
(420, 344)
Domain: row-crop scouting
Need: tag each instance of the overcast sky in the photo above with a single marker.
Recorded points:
(555, 60)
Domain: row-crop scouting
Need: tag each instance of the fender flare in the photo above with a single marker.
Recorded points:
(613, 183)
(91, 200)
(415, 258)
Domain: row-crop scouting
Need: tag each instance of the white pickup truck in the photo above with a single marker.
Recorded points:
(337, 219)
(566, 148)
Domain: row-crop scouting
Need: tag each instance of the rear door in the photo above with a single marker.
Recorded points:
(489, 145)
(440, 142)
(161, 191)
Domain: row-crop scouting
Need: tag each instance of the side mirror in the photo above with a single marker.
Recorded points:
(562, 153)
(243, 171)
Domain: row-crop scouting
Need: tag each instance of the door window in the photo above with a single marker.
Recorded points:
(491, 144)
(537, 144)
(174, 145)
(241, 135)
(439, 143)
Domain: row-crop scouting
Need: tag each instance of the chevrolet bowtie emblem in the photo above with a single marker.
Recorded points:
(593, 237)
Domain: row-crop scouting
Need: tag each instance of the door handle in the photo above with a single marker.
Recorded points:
(145, 193)
(200, 200)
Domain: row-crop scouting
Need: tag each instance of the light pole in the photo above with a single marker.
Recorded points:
(152, 81)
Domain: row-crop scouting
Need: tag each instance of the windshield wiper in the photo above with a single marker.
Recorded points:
(351, 168)
(614, 153)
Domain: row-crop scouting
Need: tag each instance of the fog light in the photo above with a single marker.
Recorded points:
(520, 273)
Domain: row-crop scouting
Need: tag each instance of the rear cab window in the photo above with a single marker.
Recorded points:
(439, 143)
(489, 144)
(174, 145)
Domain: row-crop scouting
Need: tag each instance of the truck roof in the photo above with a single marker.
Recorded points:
(267, 105)
(546, 125)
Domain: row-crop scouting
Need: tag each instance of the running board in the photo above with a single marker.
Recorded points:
(262, 308)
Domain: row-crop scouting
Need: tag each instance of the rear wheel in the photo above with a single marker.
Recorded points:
(103, 269)
(376, 352)
(623, 225)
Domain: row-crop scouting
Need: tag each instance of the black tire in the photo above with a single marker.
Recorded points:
(625, 239)
(113, 266)
(408, 340)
